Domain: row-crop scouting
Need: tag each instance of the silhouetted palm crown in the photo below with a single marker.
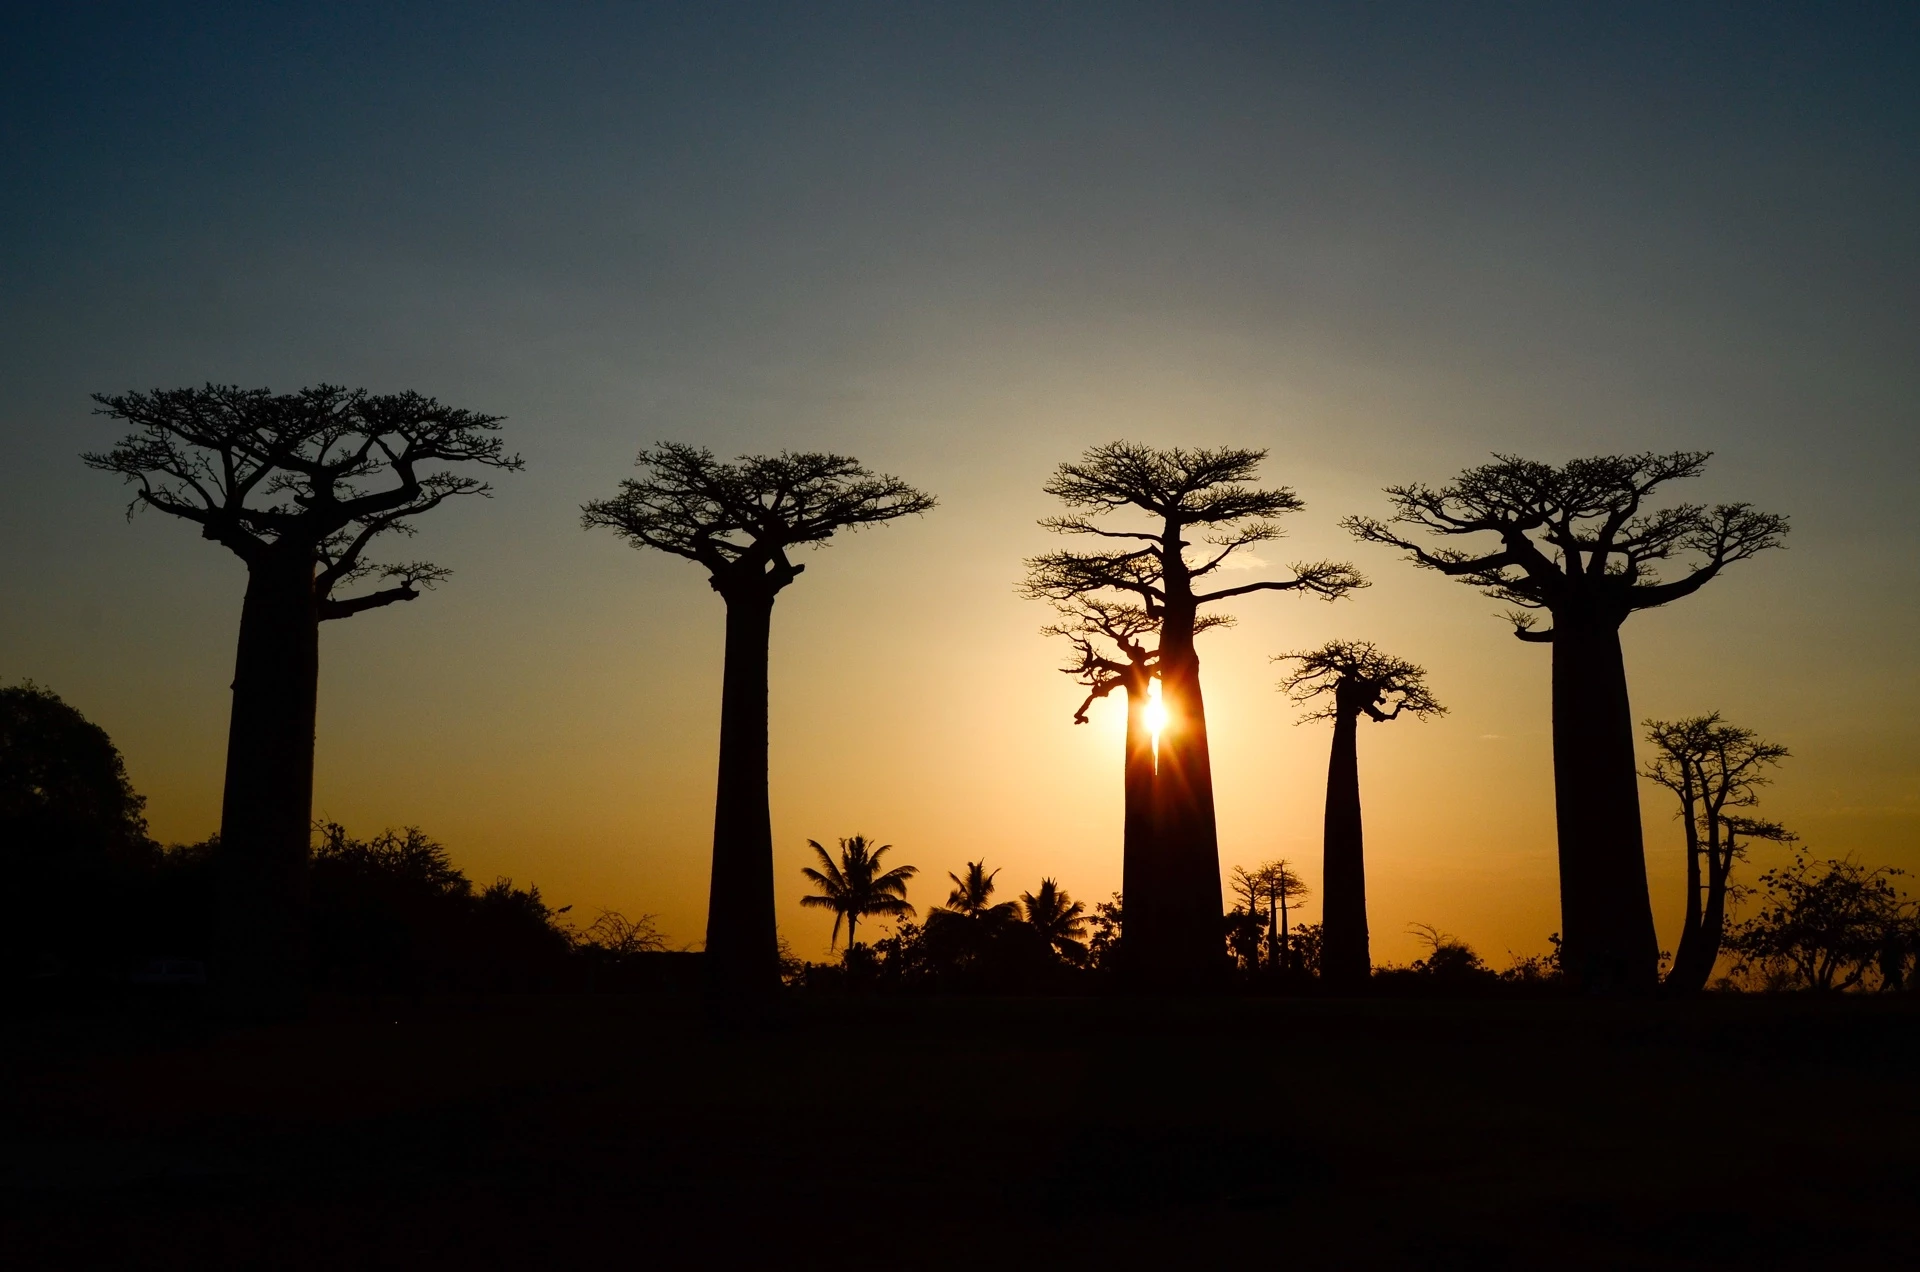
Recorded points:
(972, 897)
(856, 887)
(1057, 917)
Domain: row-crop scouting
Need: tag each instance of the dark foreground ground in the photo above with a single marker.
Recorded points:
(577, 1131)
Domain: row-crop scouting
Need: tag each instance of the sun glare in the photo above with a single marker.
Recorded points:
(1156, 714)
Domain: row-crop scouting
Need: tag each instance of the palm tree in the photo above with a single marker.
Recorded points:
(970, 897)
(857, 888)
(1059, 918)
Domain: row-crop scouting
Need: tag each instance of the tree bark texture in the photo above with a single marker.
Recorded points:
(1346, 958)
(1605, 913)
(267, 807)
(742, 942)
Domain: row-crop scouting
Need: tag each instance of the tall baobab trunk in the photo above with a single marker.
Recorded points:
(1140, 883)
(1346, 958)
(1687, 955)
(742, 943)
(1604, 906)
(1700, 943)
(1192, 952)
(267, 807)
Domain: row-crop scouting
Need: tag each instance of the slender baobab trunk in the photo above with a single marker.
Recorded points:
(1345, 958)
(1604, 908)
(1191, 952)
(742, 943)
(1140, 884)
(1680, 976)
(267, 806)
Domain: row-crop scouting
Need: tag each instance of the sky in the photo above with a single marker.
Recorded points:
(964, 243)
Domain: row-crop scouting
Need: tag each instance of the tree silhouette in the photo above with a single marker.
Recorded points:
(1351, 679)
(1828, 926)
(1174, 938)
(740, 520)
(1059, 918)
(1714, 768)
(72, 834)
(1274, 887)
(1579, 542)
(298, 486)
(857, 887)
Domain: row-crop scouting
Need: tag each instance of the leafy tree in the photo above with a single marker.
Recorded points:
(1191, 501)
(1108, 925)
(72, 831)
(1448, 957)
(1581, 543)
(1713, 768)
(740, 521)
(1059, 918)
(857, 887)
(298, 486)
(1348, 680)
(1828, 926)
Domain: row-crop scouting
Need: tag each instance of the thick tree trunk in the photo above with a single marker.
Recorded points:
(1192, 952)
(267, 807)
(742, 943)
(1345, 958)
(1605, 914)
(1140, 885)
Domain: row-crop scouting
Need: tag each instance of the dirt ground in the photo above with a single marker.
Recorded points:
(556, 1131)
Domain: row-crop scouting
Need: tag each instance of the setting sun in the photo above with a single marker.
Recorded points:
(1156, 715)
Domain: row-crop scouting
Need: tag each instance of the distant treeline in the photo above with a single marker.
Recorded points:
(96, 901)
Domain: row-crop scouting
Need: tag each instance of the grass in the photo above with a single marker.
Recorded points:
(1739, 1132)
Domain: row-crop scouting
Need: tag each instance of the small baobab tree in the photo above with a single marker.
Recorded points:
(298, 486)
(856, 887)
(1342, 681)
(1580, 542)
(740, 521)
(1274, 887)
(1714, 769)
(1188, 501)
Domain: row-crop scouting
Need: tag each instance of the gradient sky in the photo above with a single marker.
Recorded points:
(964, 244)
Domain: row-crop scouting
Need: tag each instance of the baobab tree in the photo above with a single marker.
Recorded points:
(1714, 768)
(1275, 886)
(741, 521)
(1345, 680)
(298, 486)
(1580, 543)
(1173, 939)
(857, 887)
